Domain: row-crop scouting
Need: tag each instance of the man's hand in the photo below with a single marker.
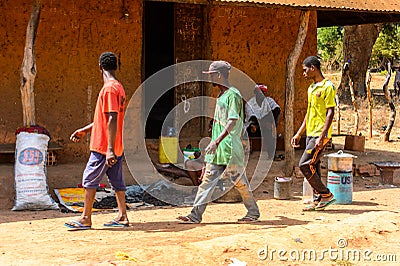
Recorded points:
(77, 135)
(295, 141)
(212, 147)
(80, 133)
(203, 170)
(111, 159)
(319, 143)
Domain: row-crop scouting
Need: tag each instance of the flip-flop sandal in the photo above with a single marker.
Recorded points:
(114, 223)
(77, 225)
(247, 219)
(186, 220)
(310, 208)
(324, 205)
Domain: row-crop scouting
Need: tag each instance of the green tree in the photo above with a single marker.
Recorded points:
(330, 46)
(387, 46)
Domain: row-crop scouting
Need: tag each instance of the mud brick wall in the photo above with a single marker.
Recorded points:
(258, 42)
(71, 36)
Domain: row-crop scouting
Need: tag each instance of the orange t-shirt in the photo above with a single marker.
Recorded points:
(111, 99)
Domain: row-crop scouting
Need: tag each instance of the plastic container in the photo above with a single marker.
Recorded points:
(341, 186)
(282, 189)
(188, 154)
(307, 192)
(168, 149)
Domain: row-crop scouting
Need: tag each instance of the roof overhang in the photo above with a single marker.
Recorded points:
(329, 12)
(335, 12)
(326, 18)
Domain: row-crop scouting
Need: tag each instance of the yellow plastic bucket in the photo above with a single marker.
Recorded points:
(168, 149)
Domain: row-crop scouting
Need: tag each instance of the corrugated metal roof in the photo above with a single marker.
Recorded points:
(391, 6)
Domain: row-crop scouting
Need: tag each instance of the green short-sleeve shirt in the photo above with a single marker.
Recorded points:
(321, 96)
(230, 150)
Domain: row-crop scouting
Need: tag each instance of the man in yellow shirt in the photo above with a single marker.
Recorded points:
(318, 126)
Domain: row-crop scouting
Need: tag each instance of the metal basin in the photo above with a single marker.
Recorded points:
(387, 164)
(340, 161)
(386, 170)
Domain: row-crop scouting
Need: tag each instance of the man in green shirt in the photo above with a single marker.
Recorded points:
(318, 126)
(224, 155)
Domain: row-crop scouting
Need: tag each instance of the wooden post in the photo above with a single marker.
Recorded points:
(346, 71)
(388, 96)
(28, 67)
(338, 115)
(369, 102)
(353, 100)
(289, 97)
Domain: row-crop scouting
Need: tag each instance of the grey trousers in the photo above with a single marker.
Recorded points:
(212, 175)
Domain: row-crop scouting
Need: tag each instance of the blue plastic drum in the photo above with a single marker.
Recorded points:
(341, 186)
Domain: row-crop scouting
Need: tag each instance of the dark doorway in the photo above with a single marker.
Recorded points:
(158, 54)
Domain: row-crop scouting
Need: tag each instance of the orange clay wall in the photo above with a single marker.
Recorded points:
(258, 42)
(71, 36)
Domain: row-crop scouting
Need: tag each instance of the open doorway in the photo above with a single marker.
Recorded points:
(158, 53)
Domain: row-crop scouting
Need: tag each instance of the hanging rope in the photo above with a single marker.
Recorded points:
(186, 104)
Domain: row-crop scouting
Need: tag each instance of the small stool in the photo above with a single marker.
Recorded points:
(51, 158)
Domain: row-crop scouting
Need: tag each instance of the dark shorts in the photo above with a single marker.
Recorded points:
(96, 168)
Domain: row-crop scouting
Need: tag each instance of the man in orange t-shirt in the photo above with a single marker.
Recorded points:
(105, 146)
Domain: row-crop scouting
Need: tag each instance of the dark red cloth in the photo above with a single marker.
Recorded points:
(33, 129)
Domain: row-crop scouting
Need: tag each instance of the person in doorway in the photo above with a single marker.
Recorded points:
(106, 148)
(261, 104)
(318, 126)
(224, 155)
(193, 168)
(258, 119)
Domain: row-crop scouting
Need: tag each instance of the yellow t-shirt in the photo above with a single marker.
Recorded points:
(321, 96)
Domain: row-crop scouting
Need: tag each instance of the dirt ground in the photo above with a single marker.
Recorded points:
(365, 232)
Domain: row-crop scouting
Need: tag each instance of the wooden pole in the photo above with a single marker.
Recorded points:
(346, 70)
(338, 115)
(369, 102)
(353, 100)
(388, 96)
(28, 67)
(290, 73)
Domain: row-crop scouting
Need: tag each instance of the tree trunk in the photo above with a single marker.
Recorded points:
(290, 73)
(28, 67)
(358, 42)
(392, 116)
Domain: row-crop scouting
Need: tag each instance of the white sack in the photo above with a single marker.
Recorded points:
(30, 173)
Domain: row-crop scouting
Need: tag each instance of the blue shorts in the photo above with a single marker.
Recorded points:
(96, 168)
